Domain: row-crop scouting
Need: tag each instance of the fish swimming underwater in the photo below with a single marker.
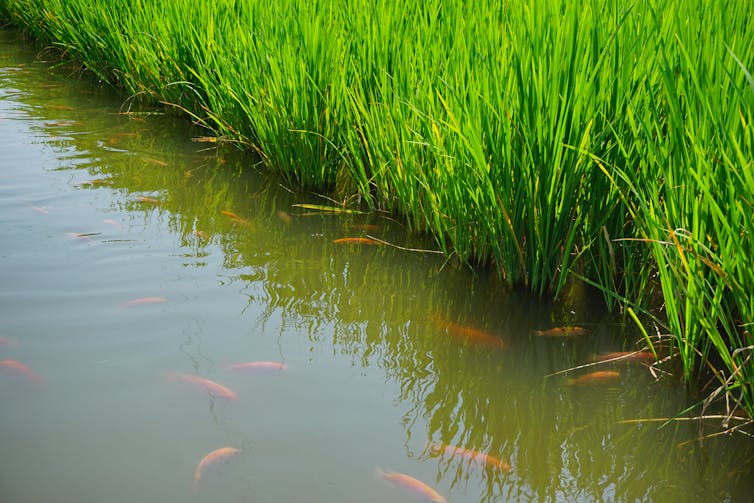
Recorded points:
(235, 218)
(415, 486)
(599, 376)
(257, 366)
(218, 456)
(566, 331)
(144, 301)
(213, 389)
(16, 367)
(468, 334)
(484, 460)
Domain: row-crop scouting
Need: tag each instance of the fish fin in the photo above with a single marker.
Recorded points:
(385, 475)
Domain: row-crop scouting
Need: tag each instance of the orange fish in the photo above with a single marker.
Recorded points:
(285, 217)
(417, 487)
(469, 334)
(155, 161)
(39, 209)
(236, 218)
(221, 455)
(19, 368)
(645, 356)
(213, 389)
(147, 199)
(200, 234)
(144, 300)
(356, 241)
(561, 331)
(472, 456)
(230, 214)
(595, 377)
(257, 366)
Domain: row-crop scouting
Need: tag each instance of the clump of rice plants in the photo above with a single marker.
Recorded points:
(691, 199)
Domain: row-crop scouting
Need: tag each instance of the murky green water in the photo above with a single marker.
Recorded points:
(99, 208)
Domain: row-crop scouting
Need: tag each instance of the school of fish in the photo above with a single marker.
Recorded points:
(463, 333)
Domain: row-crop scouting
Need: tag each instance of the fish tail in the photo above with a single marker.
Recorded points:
(195, 485)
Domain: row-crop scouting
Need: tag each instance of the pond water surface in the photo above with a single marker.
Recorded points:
(135, 261)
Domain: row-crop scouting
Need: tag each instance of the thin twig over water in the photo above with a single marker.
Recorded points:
(417, 250)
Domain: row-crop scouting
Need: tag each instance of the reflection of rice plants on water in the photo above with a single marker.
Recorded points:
(604, 141)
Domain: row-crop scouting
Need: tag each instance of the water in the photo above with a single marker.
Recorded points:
(100, 207)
